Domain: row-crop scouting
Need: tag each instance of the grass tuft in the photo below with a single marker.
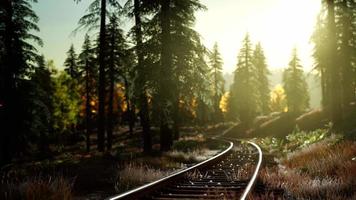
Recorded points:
(133, 175)
(38, 188)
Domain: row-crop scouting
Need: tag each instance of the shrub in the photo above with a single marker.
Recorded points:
(302, 138)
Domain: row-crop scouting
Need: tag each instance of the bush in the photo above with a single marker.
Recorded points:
(302, 139)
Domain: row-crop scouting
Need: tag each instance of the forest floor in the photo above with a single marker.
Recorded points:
(302, 165)
(76, 174)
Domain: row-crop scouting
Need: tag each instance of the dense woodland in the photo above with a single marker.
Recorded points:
(157, 76)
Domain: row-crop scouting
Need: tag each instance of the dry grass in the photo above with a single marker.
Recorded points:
(265, 196)
(144, 171)
(198, 138)
(133, 175)
(324, 159)
(302, 186)
(38, 188)
(194, 156)
(320, 171)
(161, 162)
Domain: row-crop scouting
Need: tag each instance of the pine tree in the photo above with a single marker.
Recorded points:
(188, 58)
(244, 94)
(98, 13)
(218, 79)
(295, 86)
(334, 39)
(259, 62)
(102, 74)
(199, 82)
(18, 23)
(142, 78)
(116, 47)
(42, 103)
(169, 50)
(71, 63)
(71, 68)
(88, 70)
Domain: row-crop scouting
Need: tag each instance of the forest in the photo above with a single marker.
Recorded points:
(136, 103)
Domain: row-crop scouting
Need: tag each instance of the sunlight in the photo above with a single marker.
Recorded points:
(135, 101)
(279, 25)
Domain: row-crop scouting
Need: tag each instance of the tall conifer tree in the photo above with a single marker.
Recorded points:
(137, 9)
(88, 69)
(243, 92)
(18, 22)
(259, 61)
(218, 79)
(71, 63)
(295, 86)
(116, 47)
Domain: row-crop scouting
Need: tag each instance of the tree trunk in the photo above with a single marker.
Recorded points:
(216, 97)
(176, 118)
(130, 114)
(165, 85)
(335, 98)
(87, 108)
(110, 124)
(147, 138)
(143, 102)
(102, 82)
(132, 118)
(325, 90)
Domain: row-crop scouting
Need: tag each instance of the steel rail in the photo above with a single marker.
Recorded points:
(257, 169)
(161, 183)
(255, 174)
(140, 191)
(259, 163)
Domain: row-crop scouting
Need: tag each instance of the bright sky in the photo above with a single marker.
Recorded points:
(279, 25)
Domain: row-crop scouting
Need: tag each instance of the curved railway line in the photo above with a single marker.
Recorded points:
(223, 176)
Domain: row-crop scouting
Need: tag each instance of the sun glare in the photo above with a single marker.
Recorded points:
(280, 25)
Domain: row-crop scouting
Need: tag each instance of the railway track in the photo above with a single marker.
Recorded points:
(229, 175)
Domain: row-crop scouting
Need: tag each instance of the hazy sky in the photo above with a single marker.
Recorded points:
(279, 25)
